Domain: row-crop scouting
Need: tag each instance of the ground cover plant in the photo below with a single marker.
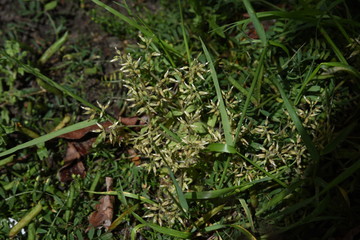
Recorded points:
(179, 120)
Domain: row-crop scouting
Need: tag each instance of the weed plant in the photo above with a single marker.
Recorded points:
(249, 124)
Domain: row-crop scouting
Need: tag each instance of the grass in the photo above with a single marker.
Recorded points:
(248, 130)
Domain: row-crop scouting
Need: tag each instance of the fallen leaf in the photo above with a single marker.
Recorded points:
(127, 121)
(78, 134)
(134, 157)
(103, 215)
(76, 167)
(75, 150)
(81, 144)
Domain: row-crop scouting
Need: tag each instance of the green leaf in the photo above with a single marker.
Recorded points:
(182, 200)
(145, 30)
(50, 5)
(216, 227)
(64, 90)
(164, 230)
(248, 213)
(119, 219)
(204, 219)
(126, 194)
(220, 147)
(25, 220)
(340, 137)
(224, 117)
(335, 67)
(294, 117)
(53, 48)
(172, 135)
(135, 229)
(223, 192)
(258, 27)
(49, 136)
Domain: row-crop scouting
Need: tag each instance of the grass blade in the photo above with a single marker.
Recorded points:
(173, 136)
(224, 117)
(220, 147)
(336, 50)
(340, 178)
(163, 230)
(135, 229)
(204, 219)
(341, 136)
(53, 49)
(245, 92)
(264, 171)
(258, 27)
(244, 231)
(49, 136)
(148, 33)
(118, 220)
(216, 227)
(126, 194)
(256, 81)
(225, 192)
(248, 213)
(336, 66)
(44, 78)
(186, 43)
(25, 220)
(182, 200)
(292, 112)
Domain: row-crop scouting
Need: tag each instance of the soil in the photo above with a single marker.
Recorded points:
(27, 23)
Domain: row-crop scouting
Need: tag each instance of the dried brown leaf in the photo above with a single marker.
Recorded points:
(76, 167)
(103, 215)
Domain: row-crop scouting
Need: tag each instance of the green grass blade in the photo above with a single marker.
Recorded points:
(340, 137)
(173, 136)
(220, 147)
(343, 176)
(49, 136)
(244, 231)
(185, 38)
(264, 171)
(148, 33)
(247, 213)
(335, 67)
(126, 194)
(53, 49)
(224, 117)
(204, 219)
(182, 200)
(64, 90)
(255, 82)
(210, 194)
(119, 219)
(258, 27)
(135, 229)
(223, 192)
(294, 117)
(278, 198)
(280, 45)
(124, 18)
(336, 50)
(164, 230)
(245, 92)
(25, 220)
